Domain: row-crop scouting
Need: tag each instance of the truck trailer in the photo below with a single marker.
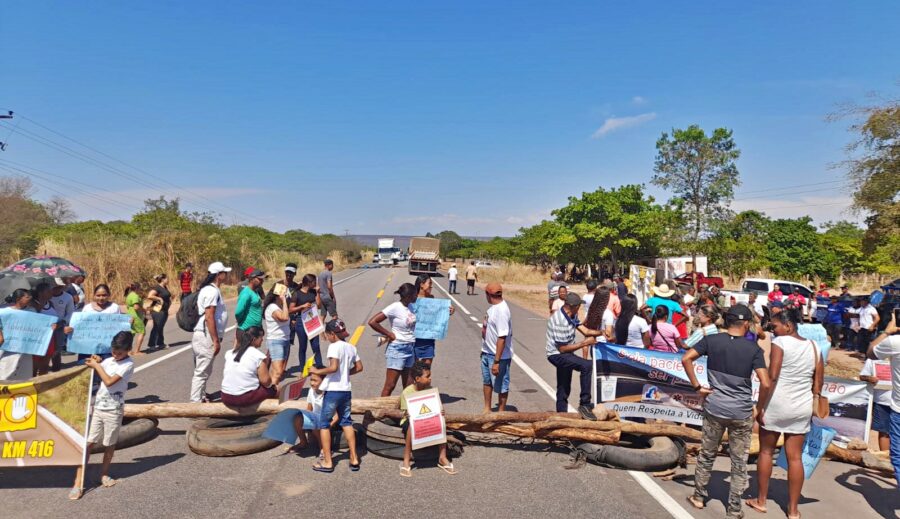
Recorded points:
(424, 255)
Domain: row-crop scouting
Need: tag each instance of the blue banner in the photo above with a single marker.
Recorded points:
(814, 446)
(93, 332)
(659, 366)
(26, 332)
(432, 318)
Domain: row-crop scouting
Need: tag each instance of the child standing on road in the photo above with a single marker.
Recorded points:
(109, 406)
(343, 361)
(421, 375)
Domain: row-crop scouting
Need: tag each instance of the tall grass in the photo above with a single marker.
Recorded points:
(508, 273)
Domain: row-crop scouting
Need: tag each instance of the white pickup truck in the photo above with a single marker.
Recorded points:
(763, 286)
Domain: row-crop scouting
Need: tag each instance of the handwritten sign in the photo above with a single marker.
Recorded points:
(426, 419)
(93, 332)
(817, 440)
(26, 332)
(312, 323)
(883, 374)
(432, 318)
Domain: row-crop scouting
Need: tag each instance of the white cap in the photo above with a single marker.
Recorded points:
(290, 269)
(217, 267)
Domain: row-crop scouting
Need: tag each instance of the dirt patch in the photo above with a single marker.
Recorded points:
(843, 364)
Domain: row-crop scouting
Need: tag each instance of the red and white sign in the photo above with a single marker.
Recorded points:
(883, 374)
(426, 418)
(312, 323)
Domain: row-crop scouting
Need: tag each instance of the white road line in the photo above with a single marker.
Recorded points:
(472, 317)
(168, 356)
(461, 307)
(668, 503)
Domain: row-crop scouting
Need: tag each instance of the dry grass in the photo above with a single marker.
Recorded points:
(68, 401)
(508, 273)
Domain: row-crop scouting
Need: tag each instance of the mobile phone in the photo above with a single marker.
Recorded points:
(897, 316)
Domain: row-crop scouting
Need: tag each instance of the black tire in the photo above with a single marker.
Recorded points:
(134, 431)
(220, 437)
(387, 441)
(646, 455)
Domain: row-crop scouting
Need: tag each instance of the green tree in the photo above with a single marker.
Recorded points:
(542, 244)
(619, 224)
(700, 170)
(737, 245)
(793, 249)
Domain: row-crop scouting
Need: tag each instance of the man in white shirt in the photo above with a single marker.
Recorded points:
(453, 275)
(209, 330)
(887, 347)
(496, 348)
(868, 323)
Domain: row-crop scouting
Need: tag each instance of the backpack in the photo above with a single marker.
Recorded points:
(188, 314)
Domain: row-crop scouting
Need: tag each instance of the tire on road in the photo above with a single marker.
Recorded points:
(134, 431)
(387, 441)
(221, 437)
(645, 454)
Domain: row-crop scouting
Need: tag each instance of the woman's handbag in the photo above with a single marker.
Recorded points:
(821, 405)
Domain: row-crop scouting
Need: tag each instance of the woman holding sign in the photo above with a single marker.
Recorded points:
(400, 351)
(424, 348)
(306, 297)
(797, 373)
(16, 366)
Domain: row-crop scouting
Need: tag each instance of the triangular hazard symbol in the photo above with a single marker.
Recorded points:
(424, 410)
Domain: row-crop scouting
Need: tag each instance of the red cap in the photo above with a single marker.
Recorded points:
(248, 271)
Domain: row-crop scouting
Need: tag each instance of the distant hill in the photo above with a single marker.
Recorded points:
(371, 240)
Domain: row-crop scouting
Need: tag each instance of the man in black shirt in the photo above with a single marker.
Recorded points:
(731, 361)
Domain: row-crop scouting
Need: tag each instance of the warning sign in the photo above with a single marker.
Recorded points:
(427, 427)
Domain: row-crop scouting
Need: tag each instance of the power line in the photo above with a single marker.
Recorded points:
(767, 190)
(36, 173)
(65, 195)
(788, 193)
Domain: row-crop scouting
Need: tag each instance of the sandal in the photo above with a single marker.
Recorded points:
(319, 468)
(448, 468)
(107, 481)
(696, 502)
(754, 504)
(76, 493)
(355, 468)
(405, 472)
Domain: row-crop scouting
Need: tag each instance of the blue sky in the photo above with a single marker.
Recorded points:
(407, 117)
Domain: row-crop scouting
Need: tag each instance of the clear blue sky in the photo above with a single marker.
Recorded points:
(407, 117)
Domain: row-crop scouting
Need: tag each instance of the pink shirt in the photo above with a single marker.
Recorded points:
(665, 337)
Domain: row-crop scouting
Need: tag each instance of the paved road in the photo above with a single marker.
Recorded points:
(163, 478)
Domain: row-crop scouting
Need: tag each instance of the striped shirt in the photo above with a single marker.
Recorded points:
(560, 332)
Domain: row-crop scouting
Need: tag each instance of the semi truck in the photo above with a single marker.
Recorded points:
(424, 255)
(387, 253)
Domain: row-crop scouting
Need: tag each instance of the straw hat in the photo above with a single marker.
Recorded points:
(663, 291)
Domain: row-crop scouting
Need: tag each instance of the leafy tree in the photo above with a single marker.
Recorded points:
(543, 244)
(700, 170)
(737, 245)
(793, 249)
(620, 224)
(450, 241)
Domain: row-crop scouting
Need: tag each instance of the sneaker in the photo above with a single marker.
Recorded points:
(587, 413)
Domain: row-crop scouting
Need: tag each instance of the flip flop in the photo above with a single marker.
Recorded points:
(405, 472)
(355, 468)
(754, 504)
(320, 468)
(448, 468)
(794, 516)
(107, 481)
(692, 500)
(75, 494)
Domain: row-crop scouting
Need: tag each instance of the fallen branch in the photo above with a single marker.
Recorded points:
(220, 410)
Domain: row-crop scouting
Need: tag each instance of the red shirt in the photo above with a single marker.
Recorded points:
(187, 279)
(823, 293)
(683, 327)
(775, 296)
(796, 299)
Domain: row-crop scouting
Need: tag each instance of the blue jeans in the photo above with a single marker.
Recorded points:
(424, 349)
(895, 445)
(336, 402)
(304, 339)
(565, 364)
(500, 383)
(452, 286)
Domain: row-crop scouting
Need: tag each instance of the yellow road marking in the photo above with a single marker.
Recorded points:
(380, 293)
(357, 334)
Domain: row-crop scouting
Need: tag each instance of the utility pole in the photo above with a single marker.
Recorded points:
(8, 116)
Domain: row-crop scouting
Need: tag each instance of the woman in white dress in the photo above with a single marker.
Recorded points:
(797, 372)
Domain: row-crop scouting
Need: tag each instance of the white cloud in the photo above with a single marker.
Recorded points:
(617, 123)
(638, 100)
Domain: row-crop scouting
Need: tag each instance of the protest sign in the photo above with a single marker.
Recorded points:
(41, 427)
(643, 279)
(816, 332)
(432, 318)
(93, 332)
(426, 421)
(814, 447)
(26, 332)
(312, 323)
(883, 374)
(849, 402)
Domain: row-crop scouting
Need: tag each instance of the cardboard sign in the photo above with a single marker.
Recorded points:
(817, 440)
(426, 420)
(883, 374)
(45, 427)
(291, 389)
(432, 318)
(312, 323)
(26, 332)
(93, 333)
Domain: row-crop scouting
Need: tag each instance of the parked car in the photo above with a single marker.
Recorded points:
(485, 265)
(763, 287)
(688, 279)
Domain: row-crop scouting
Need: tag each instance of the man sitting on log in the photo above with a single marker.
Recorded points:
(561, 348)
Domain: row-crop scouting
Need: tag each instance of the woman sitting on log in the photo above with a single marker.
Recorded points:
(247, 380)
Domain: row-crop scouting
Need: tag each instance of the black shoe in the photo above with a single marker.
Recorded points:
(587, 413)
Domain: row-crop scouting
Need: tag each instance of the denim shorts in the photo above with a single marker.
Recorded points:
(336, 402)
(310, 420)
(424, 349)
(399, 356)
(881, 418)
(500, 383)
(279, 349)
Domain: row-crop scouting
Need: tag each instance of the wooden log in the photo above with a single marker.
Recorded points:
(528, 431)
(657, 429)
(220, 410)
(488, 418)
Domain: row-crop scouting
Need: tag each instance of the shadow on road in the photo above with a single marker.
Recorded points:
(447, 399)
(62, 477)
(882, 500)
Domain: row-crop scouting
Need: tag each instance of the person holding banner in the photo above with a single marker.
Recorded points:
(424, 348)
(305, 297)
(731, 361)
(561, 348)
(887, 347)
(13, 365)
(797, 373)
(400, 351)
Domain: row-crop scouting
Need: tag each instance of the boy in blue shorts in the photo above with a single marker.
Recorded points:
(343, 361)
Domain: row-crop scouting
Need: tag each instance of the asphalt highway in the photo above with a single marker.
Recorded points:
(163, 478)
